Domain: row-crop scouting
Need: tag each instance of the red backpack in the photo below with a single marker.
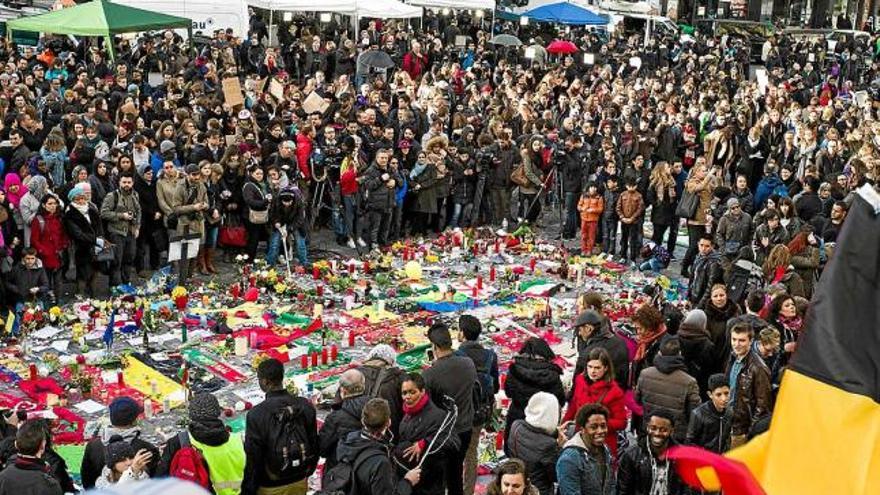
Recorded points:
(189, 464)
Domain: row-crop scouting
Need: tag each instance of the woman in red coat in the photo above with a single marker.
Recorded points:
(49, 239)
(596, 384)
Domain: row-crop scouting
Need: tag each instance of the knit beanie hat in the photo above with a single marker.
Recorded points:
(384, 352)
(696, 318)
(118, 450)
(204, 407)
(543, 412)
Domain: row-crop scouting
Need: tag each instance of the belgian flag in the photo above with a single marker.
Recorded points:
(824, 438)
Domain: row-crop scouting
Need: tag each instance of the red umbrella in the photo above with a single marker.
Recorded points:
(561, 46)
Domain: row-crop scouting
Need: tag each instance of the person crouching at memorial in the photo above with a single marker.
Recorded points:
(288, 211)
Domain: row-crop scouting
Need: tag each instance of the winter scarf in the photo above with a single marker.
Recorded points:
(418, 169)
(646, 341)
(14, 198)
(414, 410)
(792, 324)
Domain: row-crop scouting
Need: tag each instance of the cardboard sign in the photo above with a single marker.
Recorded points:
(763, 80)
(635, 62)
(461, 41)
(530, 53)
(155, 79)
(862, 99)
(314, 103)
(276, 89)
(232, 92)
(589, 58)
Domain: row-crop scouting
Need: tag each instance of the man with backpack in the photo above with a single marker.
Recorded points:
(487, 385)
(365, 466)
(345, 417)
(383, 379)
(29, 474)
(205, 453)
(121, 210)
(124, 412)
(454, 376)
(281, 438)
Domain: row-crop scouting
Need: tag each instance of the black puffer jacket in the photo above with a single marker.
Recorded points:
(379, 196)
(538, 450)
(527, 376)
(709, 428)
(698, 352)
(345, 419)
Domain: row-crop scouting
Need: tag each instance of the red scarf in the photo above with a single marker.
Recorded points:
(645, 342)
(777, 276)
(417, 408)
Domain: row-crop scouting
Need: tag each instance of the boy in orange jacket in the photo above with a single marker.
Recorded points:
(591, 206)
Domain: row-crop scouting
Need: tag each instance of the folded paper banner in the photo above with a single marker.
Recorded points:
(212, 364)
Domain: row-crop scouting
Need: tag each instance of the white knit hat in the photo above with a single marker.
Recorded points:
(543, 412)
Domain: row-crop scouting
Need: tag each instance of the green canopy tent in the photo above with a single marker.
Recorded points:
(99, 18)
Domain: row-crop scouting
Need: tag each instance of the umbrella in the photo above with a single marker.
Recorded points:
(505, 40)
(560, 46)
(376, 59)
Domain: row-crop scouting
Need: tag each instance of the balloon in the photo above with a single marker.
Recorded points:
(413, 270)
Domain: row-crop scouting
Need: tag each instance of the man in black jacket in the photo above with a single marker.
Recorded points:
(368, 452)
(29, 473)
(124, 412)
(258, 439)
(644, 469)
(709, 426)
(28, 280)
(593, 330)
(708, 270)
(379, 183)
(345, 418)
(454, 376)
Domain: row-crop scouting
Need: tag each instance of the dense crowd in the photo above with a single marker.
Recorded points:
(395, 133)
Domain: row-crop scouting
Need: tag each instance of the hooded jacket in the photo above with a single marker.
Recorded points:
(344, 419)
(526, 376)
(666, 385)
(577, 472)
(609, 394)
(30, 203)
(94, 457)
(376, 474)
(716, 325)
(212, 433)
(698, 352)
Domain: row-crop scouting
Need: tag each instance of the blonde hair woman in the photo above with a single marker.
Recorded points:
(701, 182)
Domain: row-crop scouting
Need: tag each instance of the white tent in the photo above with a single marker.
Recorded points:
(454, 4)
(383, 9)
(207, 15)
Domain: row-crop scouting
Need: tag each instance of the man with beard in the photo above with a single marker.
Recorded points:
(644, 469)
(121, 210)
(585, 464)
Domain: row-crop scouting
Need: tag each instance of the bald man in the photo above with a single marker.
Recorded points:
(346, 415)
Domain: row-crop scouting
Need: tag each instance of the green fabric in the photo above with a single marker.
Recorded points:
(98, 18)
(225, 464)
(293, 319)
(73, 456)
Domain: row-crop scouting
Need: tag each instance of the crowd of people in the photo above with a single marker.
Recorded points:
(104, 164)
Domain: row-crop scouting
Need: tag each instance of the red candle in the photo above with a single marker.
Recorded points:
(475, 249)
(532, 263)
(324, 356)
(479, 282)
(316, 273)
(119, 379)
(351, 268)
(334, 353)
(350, 338)
(492, 273)
(236, 291)
(497, 245)
(319, 290)
(366, 267)
(304, 361)
(474, 292)
(499, 440)
(33, 371)
(315, 359)
(502, 379)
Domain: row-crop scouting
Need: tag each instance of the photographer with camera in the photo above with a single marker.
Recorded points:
(504, 158)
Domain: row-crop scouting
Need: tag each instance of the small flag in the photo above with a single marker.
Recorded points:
(108, 332)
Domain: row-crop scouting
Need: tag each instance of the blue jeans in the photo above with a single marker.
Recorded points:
(653, 264)
(299, 237)
(274, 247)
(211, 234)
(459, 210)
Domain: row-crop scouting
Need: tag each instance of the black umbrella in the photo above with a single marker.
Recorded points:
(505, 40)
(376, 59)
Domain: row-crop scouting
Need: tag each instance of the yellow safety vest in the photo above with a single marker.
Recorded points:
(225, 464)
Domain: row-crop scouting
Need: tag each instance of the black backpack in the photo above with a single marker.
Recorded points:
(483, 395)
(290, 455)
(340, 480)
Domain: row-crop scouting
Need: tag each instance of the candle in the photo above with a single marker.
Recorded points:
(366, 267)
(532, 263)
(499, 440)
(319, 290)
(492, 273)
(252, 281)
(304, 361)
(119, 379)
(351, 268)
(241, 346)
(315, 359)
(324, 356)
(497, 245)
(350, 338)
(33, 371)
(479, 282)
(334, 353)
(316, 272)
(317, 310)
(474, 292)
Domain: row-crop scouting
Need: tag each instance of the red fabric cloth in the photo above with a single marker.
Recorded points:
(734, 476)
(49, 241)
(303, 153)
(587, 393)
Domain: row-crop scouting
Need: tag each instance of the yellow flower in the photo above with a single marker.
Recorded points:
(432, 258)
(178, 292)
(55, 312)
(280, 288)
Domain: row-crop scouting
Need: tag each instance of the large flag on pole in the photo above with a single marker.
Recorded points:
(824, 437)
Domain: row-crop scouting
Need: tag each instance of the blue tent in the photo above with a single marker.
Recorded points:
(565, 13)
